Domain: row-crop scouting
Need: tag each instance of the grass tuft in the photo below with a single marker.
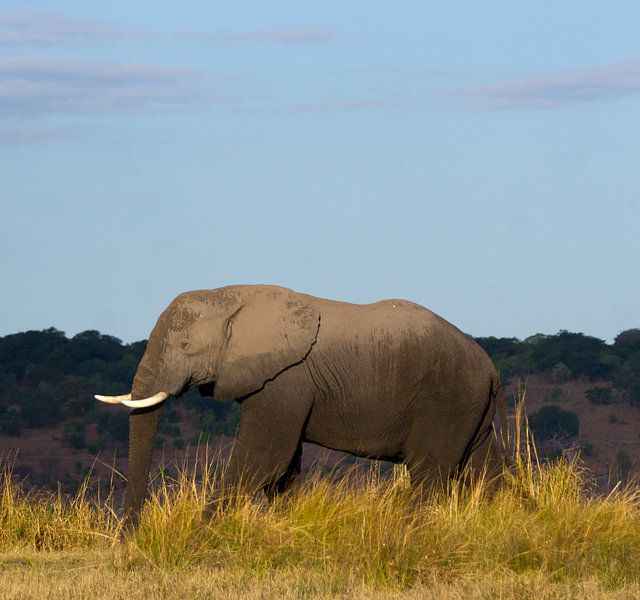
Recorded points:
(47, 522)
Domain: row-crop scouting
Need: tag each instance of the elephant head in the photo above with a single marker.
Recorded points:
(227, 342)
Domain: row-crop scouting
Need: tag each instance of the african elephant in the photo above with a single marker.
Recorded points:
(389, 380)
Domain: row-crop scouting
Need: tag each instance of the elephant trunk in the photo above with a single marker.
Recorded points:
(143, 423)
(146, 379)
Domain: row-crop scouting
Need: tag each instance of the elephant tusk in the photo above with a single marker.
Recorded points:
(113, 399)
(144, 403)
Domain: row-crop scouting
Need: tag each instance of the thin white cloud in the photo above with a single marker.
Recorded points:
(43, 28)
(27, 134)
(553, 90)
(299, 35)
(36, 86)
(346, 105)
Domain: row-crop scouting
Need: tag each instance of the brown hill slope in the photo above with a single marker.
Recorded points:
(609, 435)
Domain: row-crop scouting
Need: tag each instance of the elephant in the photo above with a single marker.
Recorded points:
(390, 381)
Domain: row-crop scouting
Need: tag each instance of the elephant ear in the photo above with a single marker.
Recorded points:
(271, 331)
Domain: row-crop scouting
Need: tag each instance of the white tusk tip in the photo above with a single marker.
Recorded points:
(146, 402)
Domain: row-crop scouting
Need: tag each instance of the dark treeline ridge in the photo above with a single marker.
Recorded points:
(570, 355)
(48, 380)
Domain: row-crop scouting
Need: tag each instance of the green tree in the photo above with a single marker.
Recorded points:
(39, 408)
(73, 434)
(579, 352)
(555, 394)
(627, 342)
(89, 345)
(114, 425)
(561, 373)
(599, 395)
(10, 423)
(511, 356)
(551, 420)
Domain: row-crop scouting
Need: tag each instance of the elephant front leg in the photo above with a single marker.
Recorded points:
(285, 483)
(267, 450)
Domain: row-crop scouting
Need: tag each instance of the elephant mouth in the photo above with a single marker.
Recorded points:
(206, 390)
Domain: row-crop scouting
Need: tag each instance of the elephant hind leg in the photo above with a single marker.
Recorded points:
(430, 465)
(486, 461)
(434, 451)
(434, 461)
(428, 475)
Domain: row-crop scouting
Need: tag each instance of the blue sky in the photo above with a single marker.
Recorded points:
(482, 159)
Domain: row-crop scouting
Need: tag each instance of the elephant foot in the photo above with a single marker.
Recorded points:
(128, 525)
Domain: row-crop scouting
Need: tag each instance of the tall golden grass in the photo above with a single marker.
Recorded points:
(544, 529)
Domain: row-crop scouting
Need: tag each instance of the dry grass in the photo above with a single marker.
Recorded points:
(542, 535)
(92, 576)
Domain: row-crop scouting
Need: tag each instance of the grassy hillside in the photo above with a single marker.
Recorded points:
(606, 435)
(543, 534)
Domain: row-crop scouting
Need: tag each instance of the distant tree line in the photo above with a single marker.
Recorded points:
(569, 355)
(48, 380)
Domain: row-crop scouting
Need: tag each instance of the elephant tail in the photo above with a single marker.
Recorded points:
(498, 401)
(486, 443)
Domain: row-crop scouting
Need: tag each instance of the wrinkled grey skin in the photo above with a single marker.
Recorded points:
(389, 380)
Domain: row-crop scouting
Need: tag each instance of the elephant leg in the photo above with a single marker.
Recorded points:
(428, 474)
(486, 461)
(432, 457)
(286, 481)
(435, 454)
(483, 458)
(268, 442)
